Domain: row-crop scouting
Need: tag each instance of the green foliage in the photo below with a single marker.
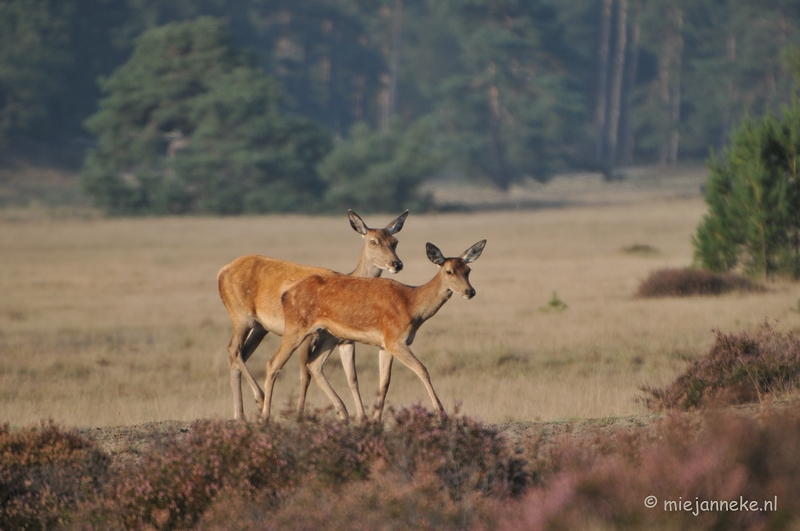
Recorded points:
(32, 35)
(381, 171)
(512, 85)
(508, 109)
(554, 305)
(754, 200)
(190, 125)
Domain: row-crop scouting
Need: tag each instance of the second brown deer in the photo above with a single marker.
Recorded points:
(374, 311)
(251, 288)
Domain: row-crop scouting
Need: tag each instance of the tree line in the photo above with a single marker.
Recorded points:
(252, 105)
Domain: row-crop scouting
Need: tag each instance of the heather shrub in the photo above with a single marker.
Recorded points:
(44, 473)
(465, 455)
(197, 477)
(676, 282)
(388, 500)
(600, 484)
(739, 368)
(178, 479)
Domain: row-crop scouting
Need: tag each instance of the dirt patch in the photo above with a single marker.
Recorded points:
(129, 443)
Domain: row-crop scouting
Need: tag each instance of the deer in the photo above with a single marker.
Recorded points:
(251, 288)
(374, 311)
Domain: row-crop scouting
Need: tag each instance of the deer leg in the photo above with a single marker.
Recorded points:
(289, 343)
(244, 340)
(404, 354)
(304, 351)
(385, 363)
(316, 362)
(254, 339)
(347, 351)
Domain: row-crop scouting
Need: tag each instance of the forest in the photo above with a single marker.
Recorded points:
(230, 106)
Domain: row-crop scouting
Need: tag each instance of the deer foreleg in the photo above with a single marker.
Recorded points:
(347, 351)
(404, 354)
(385, 360)
(289, 343)
(315, 364)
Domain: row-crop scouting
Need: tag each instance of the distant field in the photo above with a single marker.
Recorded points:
(118, 321)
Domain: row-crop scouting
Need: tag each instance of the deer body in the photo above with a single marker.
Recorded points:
(251, 288)
(379, 312)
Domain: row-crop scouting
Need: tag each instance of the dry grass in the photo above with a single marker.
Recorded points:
(118, 321)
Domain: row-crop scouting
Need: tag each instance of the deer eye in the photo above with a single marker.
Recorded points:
(373, 242)
(448, 272)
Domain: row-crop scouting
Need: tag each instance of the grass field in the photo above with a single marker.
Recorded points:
(118, 321)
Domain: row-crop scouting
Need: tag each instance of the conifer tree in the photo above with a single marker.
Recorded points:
(754, 202)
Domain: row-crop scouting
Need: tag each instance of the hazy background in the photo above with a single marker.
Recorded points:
(224, 106)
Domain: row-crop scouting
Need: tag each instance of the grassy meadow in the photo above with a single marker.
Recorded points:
(118, 321)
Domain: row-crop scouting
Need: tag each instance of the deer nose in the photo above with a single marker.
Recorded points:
(470, 293)
(397, 265)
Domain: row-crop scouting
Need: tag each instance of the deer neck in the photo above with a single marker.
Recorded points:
(366, 269)
(429, 298)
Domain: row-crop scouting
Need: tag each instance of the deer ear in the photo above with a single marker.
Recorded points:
(395, 226)
(474, 252)
(357, 223)
(434, 254)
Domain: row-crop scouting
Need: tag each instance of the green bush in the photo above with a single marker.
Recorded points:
(753, 198)
(381, 171)
(189, 124)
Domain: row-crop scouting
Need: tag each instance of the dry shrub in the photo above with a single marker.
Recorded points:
(388, 500)
(739, 368)
(180, 477)
(466, 455)
(727, 458)
(676, 282)
(219, 464)
(44, 473)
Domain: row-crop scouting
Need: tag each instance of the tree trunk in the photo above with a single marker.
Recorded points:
(675, 86)
(628, 142)
(502, 172)
(616, 81)
(394, 59)
(727, 114)
(670, 86)
(387, 99)
(602, 79)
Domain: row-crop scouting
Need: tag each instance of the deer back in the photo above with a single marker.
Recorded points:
(252, 286)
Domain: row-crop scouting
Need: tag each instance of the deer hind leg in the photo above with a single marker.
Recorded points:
(291, 340)
(244, 340)
(304, 351)
(385, 363)
(252, 342)
(315, 364)
(404, 354)
(347, 351)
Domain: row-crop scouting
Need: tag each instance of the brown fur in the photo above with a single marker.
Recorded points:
(379, 312)
(251, 287)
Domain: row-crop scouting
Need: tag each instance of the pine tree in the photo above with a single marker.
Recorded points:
(754, 201)
(188, 124)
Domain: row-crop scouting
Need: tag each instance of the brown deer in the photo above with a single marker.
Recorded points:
(251, 287)
(379, 312)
